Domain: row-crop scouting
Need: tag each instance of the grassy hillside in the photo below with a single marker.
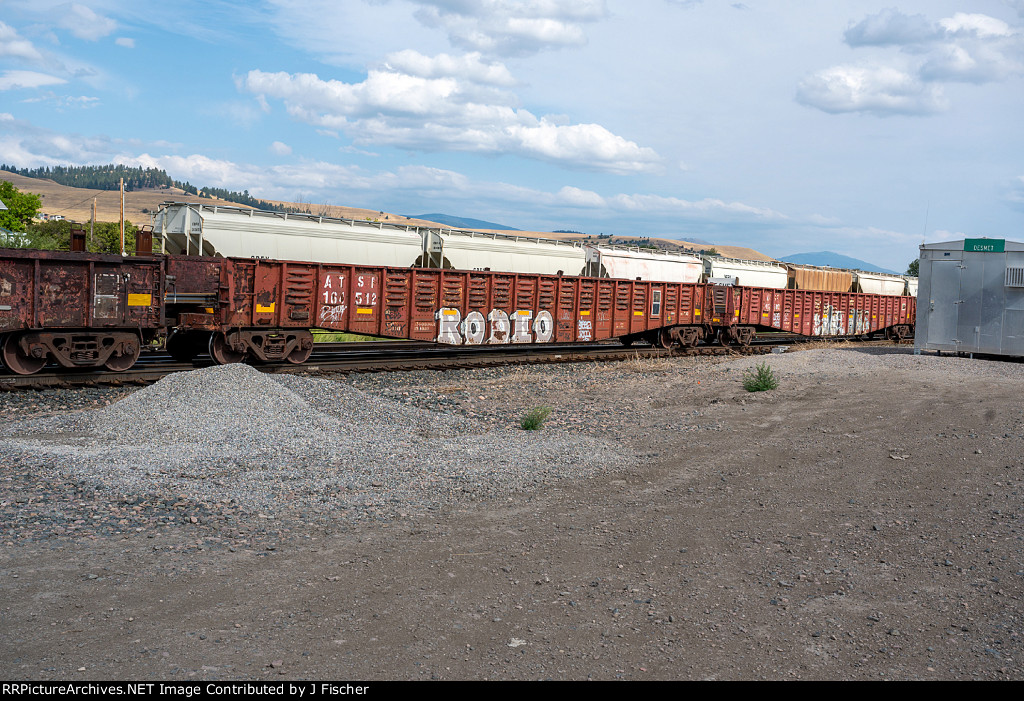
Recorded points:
(76, 203)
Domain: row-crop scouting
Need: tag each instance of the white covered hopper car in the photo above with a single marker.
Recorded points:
(199, 229)
(879, 283)
(215, 230)
(477, 250)
(749, 273)
(207, 230)
(643, 263)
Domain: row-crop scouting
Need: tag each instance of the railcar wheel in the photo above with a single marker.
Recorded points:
(665, 339)
(16, 361)
(221, 352)
(120, 363)
(300, 355)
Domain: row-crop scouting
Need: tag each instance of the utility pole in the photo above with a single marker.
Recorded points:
(92, 225)
(122, 216)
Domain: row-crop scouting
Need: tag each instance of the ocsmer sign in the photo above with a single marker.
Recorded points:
(984, 245)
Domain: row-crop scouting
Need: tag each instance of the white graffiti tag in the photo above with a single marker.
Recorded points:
(498, 328)
(333, 315)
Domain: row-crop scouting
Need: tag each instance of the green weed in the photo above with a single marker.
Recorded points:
(760, 379)
(535, 418)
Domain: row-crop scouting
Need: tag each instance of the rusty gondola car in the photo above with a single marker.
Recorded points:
(78, 309)
(91, 310)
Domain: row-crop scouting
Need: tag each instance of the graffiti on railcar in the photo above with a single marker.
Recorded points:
(333, 315)
(332, 299)
(832, 322)
(496, 328)
(860, 321)
(499, 327)
(828, 322)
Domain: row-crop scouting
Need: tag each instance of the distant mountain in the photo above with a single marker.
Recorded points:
(836, 260)
(702, 242)
(462, 222)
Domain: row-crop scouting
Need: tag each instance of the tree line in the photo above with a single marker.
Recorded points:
(105, 177)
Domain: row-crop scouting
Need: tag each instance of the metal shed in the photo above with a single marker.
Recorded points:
(971, 297)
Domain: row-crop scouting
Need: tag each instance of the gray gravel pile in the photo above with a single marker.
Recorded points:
(289, 443)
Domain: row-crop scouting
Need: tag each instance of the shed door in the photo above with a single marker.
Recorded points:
(982, 300)
(944, 304)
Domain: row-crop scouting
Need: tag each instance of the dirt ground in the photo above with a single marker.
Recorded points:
(850, 524)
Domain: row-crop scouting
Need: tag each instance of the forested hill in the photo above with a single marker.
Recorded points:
(108, 177)
(99, 177)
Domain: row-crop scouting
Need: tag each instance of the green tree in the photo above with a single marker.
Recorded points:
(108, 237)
(913, 267)
(21, 207)
(46, 235)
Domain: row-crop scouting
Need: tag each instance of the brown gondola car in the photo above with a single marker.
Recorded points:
(78, 309)
(92, 310)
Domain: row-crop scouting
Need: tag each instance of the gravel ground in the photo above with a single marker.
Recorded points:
(862, 521)
(230, 440)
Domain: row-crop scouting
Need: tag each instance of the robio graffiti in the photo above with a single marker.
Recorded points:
(497, 327)
(831, 322)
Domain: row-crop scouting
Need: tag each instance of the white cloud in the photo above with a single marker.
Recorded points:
(976, 64)
(981, 26)
(588, 145)
(890, 27)
(509, 27)
(84, 23)
(878, 90)
(125, 42)
(28, 146)
(11, 44)
(706, 206)
(434, 111)
(575, 197)
(12, 80)
(62, 101)
(469, 67)
(280, 149)
(201, 170)
(382, 90)
(972, 48)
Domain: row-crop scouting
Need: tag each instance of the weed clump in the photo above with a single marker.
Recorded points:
(760, 379)
(535, 418)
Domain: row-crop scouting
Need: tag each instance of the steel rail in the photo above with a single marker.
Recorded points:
(390, 356)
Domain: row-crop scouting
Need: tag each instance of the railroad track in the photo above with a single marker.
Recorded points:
(396, 356)
(372, 357)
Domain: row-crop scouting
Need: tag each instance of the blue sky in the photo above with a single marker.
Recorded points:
(854, 126)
